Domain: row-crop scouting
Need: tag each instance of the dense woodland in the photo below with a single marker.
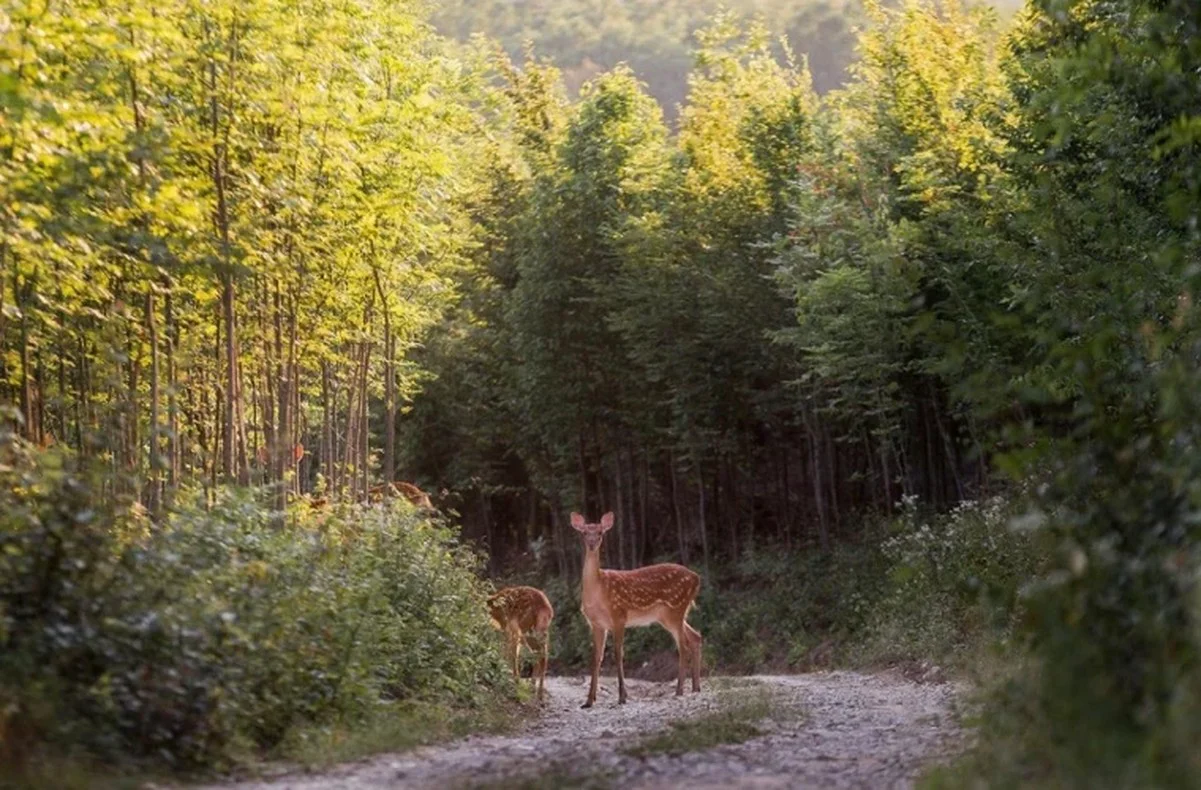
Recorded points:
(259, 259)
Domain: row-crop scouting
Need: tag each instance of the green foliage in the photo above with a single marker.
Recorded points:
(225, 232)
(954, 583)
(183, 641)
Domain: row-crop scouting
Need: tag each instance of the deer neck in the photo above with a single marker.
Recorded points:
(592, 568)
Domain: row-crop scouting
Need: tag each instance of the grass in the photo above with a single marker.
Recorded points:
(742, 708)
(397, 727)
(68, 773)
(393, 727)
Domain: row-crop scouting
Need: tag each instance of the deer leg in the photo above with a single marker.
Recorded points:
(543, 660)
(514, 652)
(682, 648)
(599, 635)
(619, 632)
(694, 638)
(674, 627)
(539, 643)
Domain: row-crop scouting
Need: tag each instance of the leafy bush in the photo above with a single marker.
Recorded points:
(217, 628)
(953, 580)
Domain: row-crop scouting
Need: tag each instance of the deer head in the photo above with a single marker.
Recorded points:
(593, 534)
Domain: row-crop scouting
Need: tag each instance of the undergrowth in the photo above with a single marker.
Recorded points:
(224, 631)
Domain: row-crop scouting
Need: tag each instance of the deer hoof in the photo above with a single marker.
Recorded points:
(621, 701)
(587, 704)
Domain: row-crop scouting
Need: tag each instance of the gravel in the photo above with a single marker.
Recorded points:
(830, 730)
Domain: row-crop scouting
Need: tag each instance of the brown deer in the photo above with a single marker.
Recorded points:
(612, 600)
(524, 614)
(415, 495)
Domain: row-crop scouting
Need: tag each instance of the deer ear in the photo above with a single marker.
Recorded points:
(577, 521)
(606, 521)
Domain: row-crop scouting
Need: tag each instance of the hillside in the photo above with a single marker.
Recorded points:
(657, 39)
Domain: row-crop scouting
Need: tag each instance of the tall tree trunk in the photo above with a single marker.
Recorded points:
(327, 427)
(230, 408)
(815, 472)
(647, 551)
(365, 439)
(623, 534)
(218, 406)
(27, 418)
(83, 396)
(389, 468)
(154, 495)
(133, 410)
(831, 476)
(295, 433)
(174, 462)
(282, 456)
(583, 463)
(675, 506)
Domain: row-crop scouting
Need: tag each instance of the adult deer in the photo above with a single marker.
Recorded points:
(613, 600)
(524, 614)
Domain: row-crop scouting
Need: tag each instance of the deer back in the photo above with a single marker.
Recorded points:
(645, 590)
(521, 608)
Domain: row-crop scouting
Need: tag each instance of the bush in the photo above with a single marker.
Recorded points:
(217, 628)
(953, 581)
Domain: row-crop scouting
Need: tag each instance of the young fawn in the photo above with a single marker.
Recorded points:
(612, 600)
(524, 614)
(415, 495)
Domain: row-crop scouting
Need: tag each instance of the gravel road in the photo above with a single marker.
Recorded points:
(827, 730)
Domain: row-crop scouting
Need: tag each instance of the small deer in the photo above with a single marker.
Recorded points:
(415, 495)
(524, 614)
(612, 600)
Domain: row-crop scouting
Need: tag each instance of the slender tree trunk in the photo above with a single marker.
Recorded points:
(82, 395)
(816, 474)
(347, 475)
(283, 438)
(389, 468)
(327, 428)
(295, 433)
(645, 493)
(219, 418)
(133, 410)
(27, 428)
(584, 504)
(154, 495)
(832, 478)
(365, 447)
(623, 536)
(174, 462)
(675, 505)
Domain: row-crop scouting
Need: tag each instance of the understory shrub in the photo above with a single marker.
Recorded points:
(223, 627)
(954, 580)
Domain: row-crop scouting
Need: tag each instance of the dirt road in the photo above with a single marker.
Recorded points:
(826, 730)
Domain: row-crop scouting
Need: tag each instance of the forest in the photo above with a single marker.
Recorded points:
(884, 327)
